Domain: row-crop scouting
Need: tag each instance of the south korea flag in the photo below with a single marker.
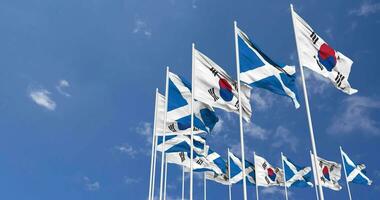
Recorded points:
(266, 174)
(216, 88)
(315, 54)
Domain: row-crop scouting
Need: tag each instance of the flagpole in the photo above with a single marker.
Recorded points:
(154, 165)
(257, 187)
(314, 148)
(164, 133)
(151, 185)
(345, 173)
(283, 168)
(204, 175)
(240, 113)
(314, 176)
(183, 182)
(166, 176)
(229, 174)
(192, 121)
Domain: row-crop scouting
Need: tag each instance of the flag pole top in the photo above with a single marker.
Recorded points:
(156, 90)
(291, 6)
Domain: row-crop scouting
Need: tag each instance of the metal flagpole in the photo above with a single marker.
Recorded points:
(240, 113)
(345, 173)
(314, 148)
(166, 176)
(183, 182)
(283, 168)
(164, 132)
(204, 175)
(229, 174)
(314, 176)
(204, 186)
(154, 165)
(151, 185)
(192, 121)
(257, 187)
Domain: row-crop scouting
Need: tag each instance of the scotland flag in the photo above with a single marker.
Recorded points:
(179, 110)
(296, 176)
(258, 70)
(236, 170)
(354, 173)
(180, 143)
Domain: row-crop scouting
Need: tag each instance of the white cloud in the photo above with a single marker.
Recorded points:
(62, 84)
(329, 33)
(91, 185)
(255, 131)
(41, 97)
(366, 8)
(283, 137)
(194, 4)
(280, 191)
(141, 27)
(130, 180)
(355, 115)
(316, 84)
(145, 129)
(127, 149)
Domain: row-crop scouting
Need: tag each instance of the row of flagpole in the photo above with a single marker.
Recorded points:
(163, 173)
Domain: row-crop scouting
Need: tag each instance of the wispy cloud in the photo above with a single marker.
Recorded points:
(145, 129)
(141, 27)
(127, 149)
(316, 84)
(91, 185)
(130, 180)
(255, 131)
(262, 100)
(274, 191)
(355, 115)
(283, 137)
(41, 97)
(366, 8)
(62, 85)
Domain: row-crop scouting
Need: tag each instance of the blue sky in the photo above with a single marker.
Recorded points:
(78, 78)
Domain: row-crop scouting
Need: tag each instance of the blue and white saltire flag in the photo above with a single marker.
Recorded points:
(236, 171)
(295, 175)
(180, 143)
(355, 173)
(221, 178)
(179, 110)
(217, 89)
(315, 54)
(211, 160)
(258, 70)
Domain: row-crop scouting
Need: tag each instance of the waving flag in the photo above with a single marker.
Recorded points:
(200, 162)
(317, 55)
(221, 178)
(236, 169)
(217, 89)
(258, 70)
(179, 110)
(266, 174)
(180, 143)
(296, 176)
(329, 173)
(355, 173)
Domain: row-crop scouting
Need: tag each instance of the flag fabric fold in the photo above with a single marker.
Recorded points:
(179, 110)
(180, 143)
(355, 173)
(258, 70)
(329, 173)
(266, 174)
(315, 54)
(295, 175)
(217, 89)
(237, 172)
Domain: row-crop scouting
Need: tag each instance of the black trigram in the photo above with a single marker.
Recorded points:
(199, 162)
(314, 37)
(237, 105)
(339, 79)
(214, 71)
(172, 128)
(267, 180)
(182, 156)
(212, 93)
(264, 165)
